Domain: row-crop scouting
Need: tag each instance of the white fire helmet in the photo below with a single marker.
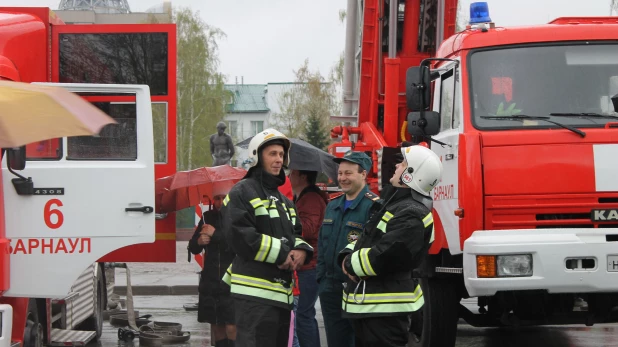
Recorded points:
(424, 169)
(263, 137)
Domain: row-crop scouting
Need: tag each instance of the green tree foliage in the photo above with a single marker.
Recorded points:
(315, 132)
(306, 107)
(201, 93)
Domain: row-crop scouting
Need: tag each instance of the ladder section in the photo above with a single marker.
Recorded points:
(369, 56)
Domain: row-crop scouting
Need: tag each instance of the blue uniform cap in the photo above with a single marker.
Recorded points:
(359, 158)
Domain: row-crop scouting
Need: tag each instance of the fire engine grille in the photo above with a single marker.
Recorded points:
(543, 212)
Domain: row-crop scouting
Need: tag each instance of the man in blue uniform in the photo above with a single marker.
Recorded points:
(343, 222)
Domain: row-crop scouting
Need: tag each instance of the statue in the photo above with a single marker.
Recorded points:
(221, 146)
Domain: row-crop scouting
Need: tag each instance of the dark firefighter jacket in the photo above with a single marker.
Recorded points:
(394, 242)
(262, 227)
(218, 257)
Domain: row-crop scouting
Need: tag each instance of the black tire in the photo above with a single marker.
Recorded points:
(34, 333)
(95, 322)
(436, 322)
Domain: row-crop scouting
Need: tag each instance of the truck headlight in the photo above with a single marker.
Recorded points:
(512, 265)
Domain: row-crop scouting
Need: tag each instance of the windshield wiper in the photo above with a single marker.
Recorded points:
(582, 114)
(522, 117)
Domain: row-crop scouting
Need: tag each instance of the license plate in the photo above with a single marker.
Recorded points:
(612, 263)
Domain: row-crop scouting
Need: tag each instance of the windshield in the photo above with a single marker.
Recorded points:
(569, 84)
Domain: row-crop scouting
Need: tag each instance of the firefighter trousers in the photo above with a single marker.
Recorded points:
(381, 331)
(261, 325)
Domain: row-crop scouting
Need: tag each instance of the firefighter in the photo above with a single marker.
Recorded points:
(380, 292)
(343, 222)
(264, 232)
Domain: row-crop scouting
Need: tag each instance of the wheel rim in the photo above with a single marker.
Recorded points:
(34, 334)
(39, 335)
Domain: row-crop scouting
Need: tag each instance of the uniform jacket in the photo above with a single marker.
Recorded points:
(262, 227)
(394, 242)
(339, 228)
(218, 257)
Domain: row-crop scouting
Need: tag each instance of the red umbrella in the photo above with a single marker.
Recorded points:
(186, 188)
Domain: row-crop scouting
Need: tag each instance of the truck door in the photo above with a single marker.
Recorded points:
(95, 195)
(129, 54)
(447, 101)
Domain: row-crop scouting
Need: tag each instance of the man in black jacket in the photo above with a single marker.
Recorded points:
(215, 304)
(264, 232)
(380, 292)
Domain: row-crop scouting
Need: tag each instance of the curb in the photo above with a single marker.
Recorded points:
(158, 290)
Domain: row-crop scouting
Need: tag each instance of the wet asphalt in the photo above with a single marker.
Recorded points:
(160, 277)
(170, 309)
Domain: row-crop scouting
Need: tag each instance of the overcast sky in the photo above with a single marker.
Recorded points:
(268, 39)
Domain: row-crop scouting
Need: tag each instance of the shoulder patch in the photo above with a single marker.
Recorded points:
(371, 196)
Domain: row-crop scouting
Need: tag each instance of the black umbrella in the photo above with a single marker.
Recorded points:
(305, 156)
(244, 143)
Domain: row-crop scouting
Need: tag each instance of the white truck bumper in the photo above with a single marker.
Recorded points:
(6, 317)
(551, 250)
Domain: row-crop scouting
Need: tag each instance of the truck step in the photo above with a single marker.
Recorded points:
(72, 296)
(62, 337)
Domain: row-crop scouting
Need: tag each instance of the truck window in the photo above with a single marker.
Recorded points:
(131, 58)
(457, 101)
(447, 99)
(538, 80)
(114, 142)
(159, 129)
(44, 150)
(82, 148)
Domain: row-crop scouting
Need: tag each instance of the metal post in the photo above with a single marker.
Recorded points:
(440, 24)
(392, 28)
(349, 57)
(391, 79)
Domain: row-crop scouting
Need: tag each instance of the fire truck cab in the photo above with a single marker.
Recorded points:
(70, 207)
(525, 122)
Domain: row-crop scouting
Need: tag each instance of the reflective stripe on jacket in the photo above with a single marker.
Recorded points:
(394, 242)
(262, 228)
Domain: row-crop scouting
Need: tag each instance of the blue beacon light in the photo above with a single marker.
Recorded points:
(479, 13)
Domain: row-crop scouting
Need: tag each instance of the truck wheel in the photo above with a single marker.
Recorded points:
(33, 334)
(435, 325)
(95, 322)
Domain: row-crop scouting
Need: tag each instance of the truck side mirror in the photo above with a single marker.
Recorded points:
(16, 158)
(428, 125)
(418, 93)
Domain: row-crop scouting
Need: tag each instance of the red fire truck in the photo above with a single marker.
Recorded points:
(92, 201)
(524, 120)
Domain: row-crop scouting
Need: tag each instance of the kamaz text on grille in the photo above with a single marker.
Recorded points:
(604, 215)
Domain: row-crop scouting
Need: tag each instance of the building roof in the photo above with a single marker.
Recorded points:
(247, 98)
